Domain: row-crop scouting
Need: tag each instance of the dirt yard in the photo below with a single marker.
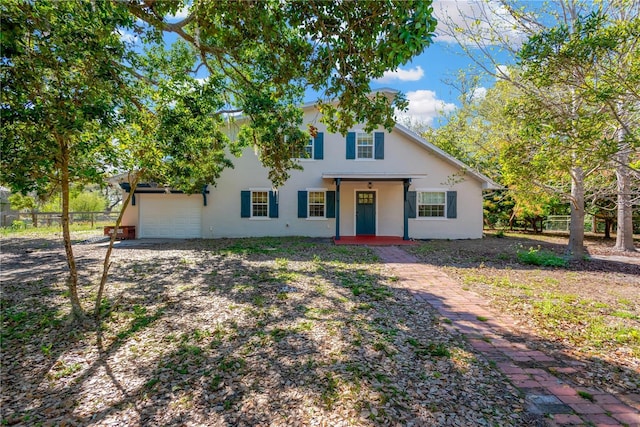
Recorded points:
(280, 332)
(588, 311)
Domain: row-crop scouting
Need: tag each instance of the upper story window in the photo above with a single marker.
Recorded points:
(306, 152)
(364, 146)
(259, 204)
(431, 204)
(312, 150)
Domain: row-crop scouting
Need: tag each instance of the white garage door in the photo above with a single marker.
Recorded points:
(170, 215)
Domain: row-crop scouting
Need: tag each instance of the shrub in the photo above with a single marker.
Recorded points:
(18, 225)
(542, 258)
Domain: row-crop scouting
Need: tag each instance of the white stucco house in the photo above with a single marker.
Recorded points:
(380, 183)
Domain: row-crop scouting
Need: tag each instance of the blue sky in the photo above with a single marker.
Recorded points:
(423, 80)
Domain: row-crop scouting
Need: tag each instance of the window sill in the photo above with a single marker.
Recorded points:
(366, 160)
(260, 218)
(316, 218)
(432, 218)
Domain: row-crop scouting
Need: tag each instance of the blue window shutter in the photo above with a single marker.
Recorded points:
(378, 139)
(331, 204)
(351, 145)
(302, 204)
(452, 204)
(411, 204)
(245, 204)
(318, 146)
(273, 205)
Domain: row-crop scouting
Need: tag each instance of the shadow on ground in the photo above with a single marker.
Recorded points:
(236, 332)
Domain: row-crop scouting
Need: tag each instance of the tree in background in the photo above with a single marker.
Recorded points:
(560, 62)
(26, 203)
(79, 102)
(573, 63)
(60, 98)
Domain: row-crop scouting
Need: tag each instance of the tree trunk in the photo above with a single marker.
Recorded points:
(575, 249)
(107, 264)
(607, 228)
(624, 235)
(72, 281)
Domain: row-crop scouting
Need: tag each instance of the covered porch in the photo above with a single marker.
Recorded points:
(366, 211)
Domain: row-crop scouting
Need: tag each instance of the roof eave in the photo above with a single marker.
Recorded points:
(487, 183)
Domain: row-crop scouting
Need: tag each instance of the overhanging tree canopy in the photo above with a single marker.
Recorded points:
(79, 102)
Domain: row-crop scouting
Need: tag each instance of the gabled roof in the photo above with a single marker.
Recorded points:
(487, 183)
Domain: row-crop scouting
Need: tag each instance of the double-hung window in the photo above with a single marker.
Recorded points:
(259, 204)
(317, 204)
(431, 204)
(364, 145)
(306, 153)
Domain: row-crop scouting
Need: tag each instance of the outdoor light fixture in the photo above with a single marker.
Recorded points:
(370, 185)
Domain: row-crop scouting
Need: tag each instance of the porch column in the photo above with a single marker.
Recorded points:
(337, 208)
(406, 184)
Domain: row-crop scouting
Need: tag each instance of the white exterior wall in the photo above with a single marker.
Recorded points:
(130, 216)
(221, 217)
(402, 155)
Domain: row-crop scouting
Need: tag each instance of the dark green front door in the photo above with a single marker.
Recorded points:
(365, 213)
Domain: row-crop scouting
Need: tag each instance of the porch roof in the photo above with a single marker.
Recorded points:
(371, 176)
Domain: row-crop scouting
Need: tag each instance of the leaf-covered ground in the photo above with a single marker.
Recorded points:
(587, 311)
(234, 332)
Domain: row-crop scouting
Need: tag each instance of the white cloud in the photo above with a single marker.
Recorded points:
(488, 20)
(127, 37)
(479, 93)
(179, 15)
(424, 106)
(410, 75)
(502, 71)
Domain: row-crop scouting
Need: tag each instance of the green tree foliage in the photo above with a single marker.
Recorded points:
(261, 56)
(20, 202)
(60, 97)
(79, 102)
(88, 202)
(576, 83)
(568, 125)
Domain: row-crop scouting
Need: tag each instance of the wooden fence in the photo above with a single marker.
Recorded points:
(35, 219)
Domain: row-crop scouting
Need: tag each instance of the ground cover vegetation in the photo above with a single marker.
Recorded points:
(560, 128)
(272, 331)
(586, 310)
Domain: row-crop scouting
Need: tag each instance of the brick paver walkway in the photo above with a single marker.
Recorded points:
(529, 370)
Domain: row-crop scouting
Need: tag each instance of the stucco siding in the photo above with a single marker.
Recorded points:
(403, 155)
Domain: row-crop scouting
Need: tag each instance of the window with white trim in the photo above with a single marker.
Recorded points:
(431, 204)
(364, 146)
(317, 204)
(306, 153)
(259, 204)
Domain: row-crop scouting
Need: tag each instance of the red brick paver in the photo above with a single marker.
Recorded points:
(486, 331)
